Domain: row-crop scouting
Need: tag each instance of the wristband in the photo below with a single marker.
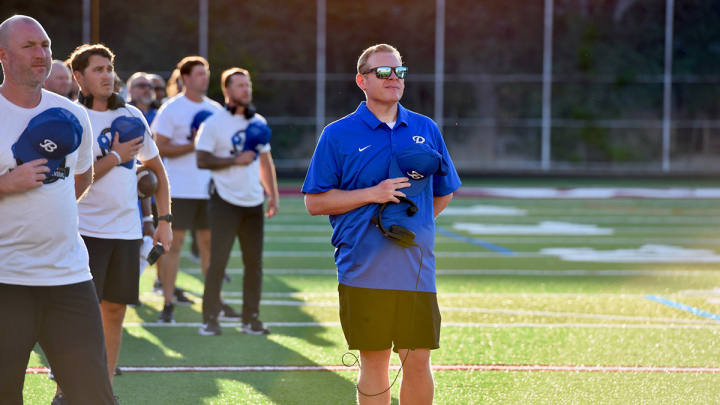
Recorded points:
(147, 219)
(118, 156)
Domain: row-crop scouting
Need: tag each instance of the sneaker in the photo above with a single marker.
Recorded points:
(50, 374)
(211, 328)
(227, 279)
(117, 371)
(181, 298)
(168, 314)
(158, 287)
(255, 327)
(227, 313)
(59, 400)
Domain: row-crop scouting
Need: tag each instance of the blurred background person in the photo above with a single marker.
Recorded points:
(174, 85)
(141, 94)
(60, 79)
(159, 86)
(74, 86)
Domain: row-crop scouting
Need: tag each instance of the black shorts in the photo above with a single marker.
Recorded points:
(189, 214)
(374, 319)
(115, 267)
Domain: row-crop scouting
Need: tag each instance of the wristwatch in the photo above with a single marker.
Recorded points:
(168, 218)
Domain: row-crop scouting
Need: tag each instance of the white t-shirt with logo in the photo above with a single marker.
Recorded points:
(39, 240)
(174, 120)
(238, 185)
(110, 210)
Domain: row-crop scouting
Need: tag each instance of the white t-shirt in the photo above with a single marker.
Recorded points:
(238, 185)
(173, 121)
(39, 240)
(110, 209)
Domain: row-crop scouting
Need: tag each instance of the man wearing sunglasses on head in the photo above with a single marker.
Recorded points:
(387, 287)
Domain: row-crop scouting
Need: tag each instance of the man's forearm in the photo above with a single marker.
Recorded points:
(268, 177)
(337, 202)
(83, 182)
(104, 165)
(162, 195)
(170, 151)
(206, 160)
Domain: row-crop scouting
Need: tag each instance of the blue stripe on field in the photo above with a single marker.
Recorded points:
(473, 241)
(686, 308)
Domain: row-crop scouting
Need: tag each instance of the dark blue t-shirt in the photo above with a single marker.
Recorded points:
(355, 153)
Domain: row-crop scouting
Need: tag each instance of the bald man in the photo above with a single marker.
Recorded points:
(60, 79)
(46, 290)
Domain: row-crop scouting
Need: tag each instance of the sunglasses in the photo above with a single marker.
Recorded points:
(144, 86)
(384, 72)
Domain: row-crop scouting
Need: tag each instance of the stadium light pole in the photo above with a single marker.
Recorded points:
(320, 74)
(439, 62)
(203, 30)
(86, 22)
(667, 84)
(547, 85)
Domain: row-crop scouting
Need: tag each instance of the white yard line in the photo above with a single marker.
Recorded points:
(435, 367)
(282, 303)
(445, 324)
(444, 240)
(501, 272)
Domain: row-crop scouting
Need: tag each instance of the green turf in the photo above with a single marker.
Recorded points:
(519, 318)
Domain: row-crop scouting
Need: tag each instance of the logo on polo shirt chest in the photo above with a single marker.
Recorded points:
(418, 139)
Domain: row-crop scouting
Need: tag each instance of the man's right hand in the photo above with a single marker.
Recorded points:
(25, 177)
(245, 157)
(127, 150)
(388, 190)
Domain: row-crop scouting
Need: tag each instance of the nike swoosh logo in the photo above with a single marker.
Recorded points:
(362, 149)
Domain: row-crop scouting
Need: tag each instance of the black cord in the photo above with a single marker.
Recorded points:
(412, 329)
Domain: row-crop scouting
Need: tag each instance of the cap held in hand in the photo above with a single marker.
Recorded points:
(129, 128)
(53, 134)
(257, 135)
(418, 162)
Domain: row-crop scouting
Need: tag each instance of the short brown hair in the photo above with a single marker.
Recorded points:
(186, 65)
(228, 74)
(80, 58)
(362, 61)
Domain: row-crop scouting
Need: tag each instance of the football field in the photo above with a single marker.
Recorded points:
(543, 300)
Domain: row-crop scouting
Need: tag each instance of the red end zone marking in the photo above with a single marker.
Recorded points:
(440, 367)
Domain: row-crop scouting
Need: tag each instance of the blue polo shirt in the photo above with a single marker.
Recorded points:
(355, 153)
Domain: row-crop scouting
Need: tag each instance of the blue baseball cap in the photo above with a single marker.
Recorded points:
(128, 129)
(198, 119)
(418, 162)
(257, 135)
(53, 134)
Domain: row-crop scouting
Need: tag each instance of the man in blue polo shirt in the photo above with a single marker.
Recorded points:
(383, 153)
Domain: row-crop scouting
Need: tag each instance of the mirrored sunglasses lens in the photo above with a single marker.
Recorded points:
(383, 72)
(401, 72)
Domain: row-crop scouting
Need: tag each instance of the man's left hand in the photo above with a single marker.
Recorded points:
(272, 207)
(163, 234)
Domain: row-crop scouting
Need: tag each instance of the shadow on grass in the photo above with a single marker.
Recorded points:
(183, 346)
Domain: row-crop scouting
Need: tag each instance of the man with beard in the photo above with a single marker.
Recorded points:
(235, 145)
(46, 290)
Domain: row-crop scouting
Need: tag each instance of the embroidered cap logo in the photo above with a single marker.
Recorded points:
(49, 146)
